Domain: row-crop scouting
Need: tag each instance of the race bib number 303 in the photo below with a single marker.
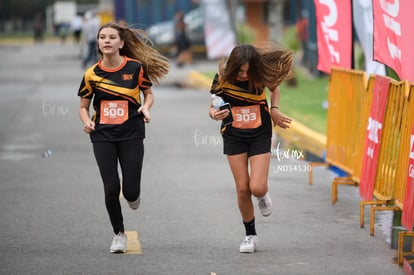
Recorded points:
(114, 111)
(246, 117)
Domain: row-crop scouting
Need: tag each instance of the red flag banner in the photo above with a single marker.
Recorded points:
(373, 140)
(334, 34)
(408, 208)
(394, 36)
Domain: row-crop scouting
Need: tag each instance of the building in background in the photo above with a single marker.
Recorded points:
(267, 18)
(144, 13)
(64, 11)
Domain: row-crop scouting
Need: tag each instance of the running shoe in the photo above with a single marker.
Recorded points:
(119, 243)
(265, 205)
(249, 244)
(134, 204)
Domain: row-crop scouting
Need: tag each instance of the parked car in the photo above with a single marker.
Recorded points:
(162, 34)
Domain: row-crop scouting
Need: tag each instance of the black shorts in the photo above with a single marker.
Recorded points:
(251, 147)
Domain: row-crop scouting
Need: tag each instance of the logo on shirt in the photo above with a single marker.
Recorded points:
(126, 77)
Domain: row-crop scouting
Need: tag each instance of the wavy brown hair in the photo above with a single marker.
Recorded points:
(137, 45)
(269, 65)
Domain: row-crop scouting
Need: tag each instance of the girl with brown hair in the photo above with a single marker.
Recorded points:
(128, 68)
(241, 81)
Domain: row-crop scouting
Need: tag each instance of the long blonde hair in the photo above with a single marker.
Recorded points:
(269, 64)
(137, 45)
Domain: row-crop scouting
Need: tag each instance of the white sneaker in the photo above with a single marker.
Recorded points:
(134, 204)
(249, 244)
(265, 205)
(119, 243)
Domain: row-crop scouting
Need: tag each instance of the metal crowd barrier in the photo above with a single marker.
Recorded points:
(408, 123)
(388, 174)
(365, 99)
(347, 100)
(350, 99)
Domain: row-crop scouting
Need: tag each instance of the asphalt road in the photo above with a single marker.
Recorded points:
(53, 219)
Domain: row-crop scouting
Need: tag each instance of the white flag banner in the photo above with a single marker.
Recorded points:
(364, 27)
(218, 30)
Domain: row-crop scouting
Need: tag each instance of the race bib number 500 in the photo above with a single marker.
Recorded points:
(114, 111)
(246, 117)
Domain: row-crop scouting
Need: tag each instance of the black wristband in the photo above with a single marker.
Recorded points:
(277, 107)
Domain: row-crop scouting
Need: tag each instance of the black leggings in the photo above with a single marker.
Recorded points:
(130, 154)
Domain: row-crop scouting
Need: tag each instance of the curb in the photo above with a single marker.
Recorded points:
(196, 79)
(299, 134)
(306, 139)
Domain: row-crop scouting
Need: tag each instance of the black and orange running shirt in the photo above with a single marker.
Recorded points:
(116, 100)
(251, 117)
